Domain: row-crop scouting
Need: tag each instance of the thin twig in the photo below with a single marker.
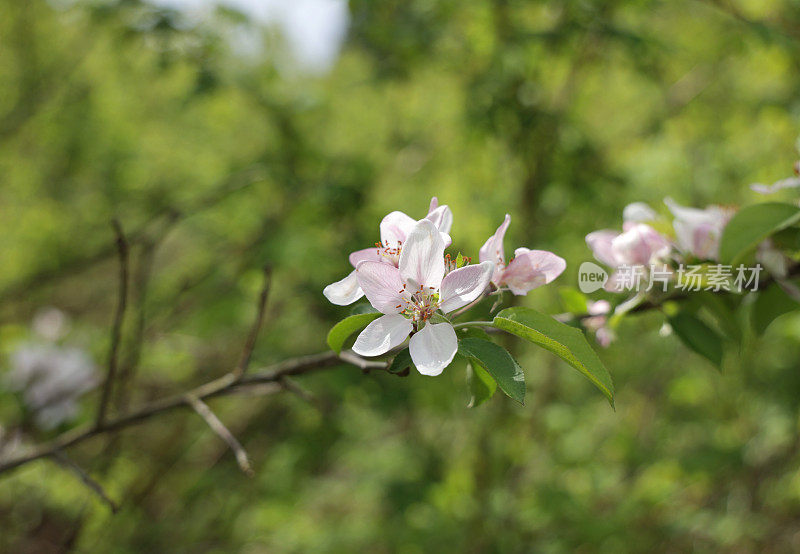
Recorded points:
(247, 353)
(301, 392)
(45, 276)
(116, 330)
(223, 432)
(353, 359)
(63, 460)
(225, 385)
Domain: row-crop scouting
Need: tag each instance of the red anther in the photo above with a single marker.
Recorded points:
(399, 306)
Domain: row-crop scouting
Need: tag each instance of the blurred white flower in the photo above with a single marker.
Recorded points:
(51, 379)
(51, 324)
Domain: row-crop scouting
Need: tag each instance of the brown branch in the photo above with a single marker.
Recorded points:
(226, 385)
(222, 432)
(293, 387)
(116, 330)
(247, 353)
(64, 461)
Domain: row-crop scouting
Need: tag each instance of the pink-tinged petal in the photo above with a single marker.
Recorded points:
(531, 269)
(442, 217)
(344, 292)
(422, 257)
(434, 204)
(382, 335)
(617, 282)
(692, 216)
(699, 231)
(605, 336)
(433, 348)
(599, 242)
(542, 260)
(638, 212)
(366, 255)
(462, 286)
(492, 249)
(382, 285)
(599, 307)
(640, 245)
(395, 228)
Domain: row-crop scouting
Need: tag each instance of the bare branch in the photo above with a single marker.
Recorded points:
(352, 358)
(116, 330)
(305, 394)
(219, 428)
(225, 385)
(247, 353)
(64, 461)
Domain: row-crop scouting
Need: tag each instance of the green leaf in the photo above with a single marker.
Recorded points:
(574, 301)
(717, 305)
(481, 385)
(346, 327)
(787, 239)
(498, 363)
(697, 336)
(751, 225)
(771, 303)
(401, 362)
(474, 332)
(365, 308)
(568, 343)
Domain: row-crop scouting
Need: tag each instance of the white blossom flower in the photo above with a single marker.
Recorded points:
(411, 293)
(394, 229)
(528, 269)
(51, 379)
(699, 231)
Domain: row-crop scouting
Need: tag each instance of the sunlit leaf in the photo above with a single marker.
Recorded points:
(481, 385)
(751, 225)
(498, 363)
(346, 327)
(568, 343)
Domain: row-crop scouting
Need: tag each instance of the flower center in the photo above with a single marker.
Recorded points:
(419, 304)
(391, 253)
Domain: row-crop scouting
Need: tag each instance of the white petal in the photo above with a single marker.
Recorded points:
(422, 258)
(433, 348)
(462, 286)
(442, 217)
(382, 335)
(368, 254)
(382, 286)
(761, 188)
(492, 249)
(395, 228)
(691, 216)
(599, 242)
(434, 204)
(531, 269)
(638, 212)
(344, 292)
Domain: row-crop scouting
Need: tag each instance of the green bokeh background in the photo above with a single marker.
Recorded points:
(558, 113)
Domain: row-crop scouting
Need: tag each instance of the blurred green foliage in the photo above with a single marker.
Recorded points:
(556, 112)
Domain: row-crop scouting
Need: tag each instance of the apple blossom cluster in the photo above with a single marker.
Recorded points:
(684, 255)
(695, 237)
(408, 278)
